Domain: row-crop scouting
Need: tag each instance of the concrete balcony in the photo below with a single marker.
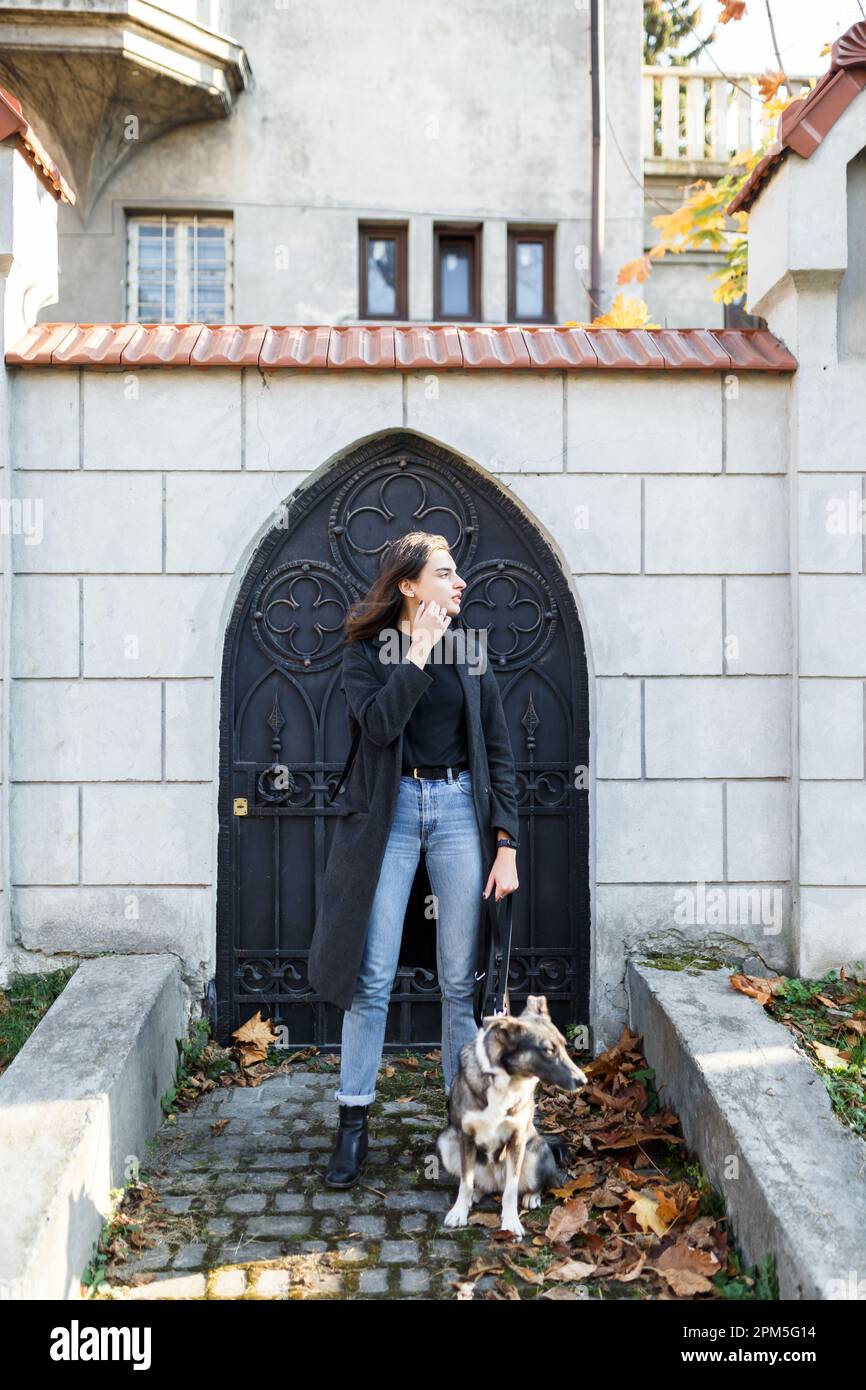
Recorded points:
(693, 121)
(102, 77)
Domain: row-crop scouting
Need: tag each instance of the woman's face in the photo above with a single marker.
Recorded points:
(438, 582)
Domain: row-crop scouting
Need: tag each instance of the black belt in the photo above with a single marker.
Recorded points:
(435, 773)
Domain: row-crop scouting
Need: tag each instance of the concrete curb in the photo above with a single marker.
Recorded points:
(81, 1095)
(743, 1091)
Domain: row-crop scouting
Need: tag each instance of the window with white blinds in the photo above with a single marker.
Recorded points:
(179, 269)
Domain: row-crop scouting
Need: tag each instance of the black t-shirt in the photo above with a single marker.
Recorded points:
(435, 733)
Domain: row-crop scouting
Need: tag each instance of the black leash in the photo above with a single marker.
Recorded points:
(500, 955)
(356, 739)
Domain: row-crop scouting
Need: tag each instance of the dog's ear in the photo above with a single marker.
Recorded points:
(502, 1022)
(537, 1004)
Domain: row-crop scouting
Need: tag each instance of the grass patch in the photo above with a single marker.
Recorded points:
(828, 1015)
(23, 1004)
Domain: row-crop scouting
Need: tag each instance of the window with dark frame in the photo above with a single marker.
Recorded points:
(530, 275)
(457, 273)
(382, 290)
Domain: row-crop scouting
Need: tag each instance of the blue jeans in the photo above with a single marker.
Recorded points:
(437, 816)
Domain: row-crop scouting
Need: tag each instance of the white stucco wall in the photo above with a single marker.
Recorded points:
(156, 485)
(28, 280)
(473, 110)
(805, 276)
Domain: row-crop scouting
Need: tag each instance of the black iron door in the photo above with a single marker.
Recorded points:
(284, 738)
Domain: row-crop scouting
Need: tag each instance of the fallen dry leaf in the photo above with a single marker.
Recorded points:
(685, 1283)
(529, 1276)
(830, 1056)
(757, 987)
(646, 1213)
(254, 1038)
(566, 1221)
(570, 1270)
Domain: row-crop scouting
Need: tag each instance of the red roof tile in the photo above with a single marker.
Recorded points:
(13, 122)
(565, 348)
(421, 347)
(804, 124)
(627, 348)
(228, 347)
(295, 347)
(162, 345)
(361, 347)
(493, 347)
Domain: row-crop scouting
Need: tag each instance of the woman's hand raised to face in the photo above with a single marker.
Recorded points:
(431, 621)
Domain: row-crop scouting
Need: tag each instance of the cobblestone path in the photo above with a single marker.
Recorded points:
(253, 1218)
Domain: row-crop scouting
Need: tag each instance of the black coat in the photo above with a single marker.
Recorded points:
(380, 697)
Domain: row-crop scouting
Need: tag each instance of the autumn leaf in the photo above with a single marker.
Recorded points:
(570, 1270)
(609, 1063)
(769, 83)
(481, 1266)
(254, 1038)
(625, 312)
(648, 1130)
(684, 1269)
(830, 1056)
(625, 1273)
(604, 1197)
(647, 1214)
(529, 1276)
(566, 1221)
(674, 225)
(684, 1283)
(484, 1218)
(757, 987)
(638, 269)
(575, 1185)
(731, 9)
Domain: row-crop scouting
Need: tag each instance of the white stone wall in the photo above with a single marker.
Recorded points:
(806, 277)
(394, 110)
(664, 495)
(28, 280)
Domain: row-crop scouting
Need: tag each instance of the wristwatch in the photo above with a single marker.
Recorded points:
(509, 841)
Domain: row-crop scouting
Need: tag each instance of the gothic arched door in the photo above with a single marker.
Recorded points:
(284, 738)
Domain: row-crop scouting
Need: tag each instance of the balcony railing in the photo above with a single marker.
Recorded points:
(699, 117)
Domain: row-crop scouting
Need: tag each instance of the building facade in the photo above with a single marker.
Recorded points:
(252, 179)
(662, 532)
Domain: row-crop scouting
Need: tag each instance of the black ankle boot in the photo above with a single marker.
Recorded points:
(351, 1148)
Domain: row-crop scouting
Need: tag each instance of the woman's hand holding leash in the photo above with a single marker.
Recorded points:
(503, 875)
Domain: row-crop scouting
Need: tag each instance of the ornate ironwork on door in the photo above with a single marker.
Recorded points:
(284, 738)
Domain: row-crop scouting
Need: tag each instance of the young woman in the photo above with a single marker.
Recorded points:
(434, 772)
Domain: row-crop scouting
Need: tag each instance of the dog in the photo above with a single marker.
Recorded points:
(491, 1142)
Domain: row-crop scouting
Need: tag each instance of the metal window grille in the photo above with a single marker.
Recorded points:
(180, 269)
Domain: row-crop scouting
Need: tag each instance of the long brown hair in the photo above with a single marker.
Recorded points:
(381, 606)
